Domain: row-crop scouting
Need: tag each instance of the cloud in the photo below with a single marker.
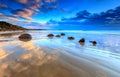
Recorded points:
(27, 8)
(24, 13)
(108, 17)
(32, 25)
(3, 6)
(1, 13)
(22, 1)
(111, 16)
(64, 9)
(49, 1)
(8, 17)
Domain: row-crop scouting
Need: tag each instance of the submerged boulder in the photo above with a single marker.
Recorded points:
(82, 41)
(71, 38)
(25, 37)
(62, 34)
(93, 43)
(50, 35)
(58, 36)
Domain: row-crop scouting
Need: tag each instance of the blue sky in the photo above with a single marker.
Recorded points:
(64, 14)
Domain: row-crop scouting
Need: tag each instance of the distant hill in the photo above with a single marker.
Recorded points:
(7, 26)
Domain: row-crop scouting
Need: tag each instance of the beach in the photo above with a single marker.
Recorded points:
(59, 57)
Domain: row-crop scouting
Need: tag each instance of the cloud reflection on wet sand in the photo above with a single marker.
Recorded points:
(34, 63)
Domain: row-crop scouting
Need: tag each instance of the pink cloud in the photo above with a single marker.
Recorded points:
(25, 13)
(35, 7)
(31, 7)
(22, 1)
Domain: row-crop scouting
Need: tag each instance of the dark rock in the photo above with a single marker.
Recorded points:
(25, 37)
(82, 41)
(93, 43)
(62, 34)
(50, 35)
(71, 38)
(58, 36)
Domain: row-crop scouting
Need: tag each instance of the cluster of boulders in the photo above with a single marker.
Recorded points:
(58, 36)
(81, 41)
(28, 37)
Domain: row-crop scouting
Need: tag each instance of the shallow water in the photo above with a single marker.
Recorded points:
(60, 57)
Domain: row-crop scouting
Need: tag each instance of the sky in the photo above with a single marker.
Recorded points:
(62, 14)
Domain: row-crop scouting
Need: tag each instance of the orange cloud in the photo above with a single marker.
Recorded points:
(22, 1)
(29, 8)
(25, 13)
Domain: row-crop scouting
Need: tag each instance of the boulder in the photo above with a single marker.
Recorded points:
(82, 41)
(58, 36)
(93, 43)
(50, 35)
(71, 38)
(25, 37)
(62, 34)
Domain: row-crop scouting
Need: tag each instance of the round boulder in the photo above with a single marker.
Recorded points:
(71, 38)
(25, 37)
(93, 43)
(62, 34)
(50, 35)
(82, 41)
(58, 36)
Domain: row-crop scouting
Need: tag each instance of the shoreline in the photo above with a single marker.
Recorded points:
(74, 31)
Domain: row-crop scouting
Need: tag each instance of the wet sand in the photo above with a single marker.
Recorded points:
(56, 58)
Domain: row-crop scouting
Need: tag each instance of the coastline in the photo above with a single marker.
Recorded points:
(75, 31)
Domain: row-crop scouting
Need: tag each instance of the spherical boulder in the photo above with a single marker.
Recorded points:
(50, 35)
(82, 41)
(93, 43)
(71, 38)
(58, 36)
(62, 34)
(25, 37)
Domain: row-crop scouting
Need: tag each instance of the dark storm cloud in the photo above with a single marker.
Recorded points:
(111, 16)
